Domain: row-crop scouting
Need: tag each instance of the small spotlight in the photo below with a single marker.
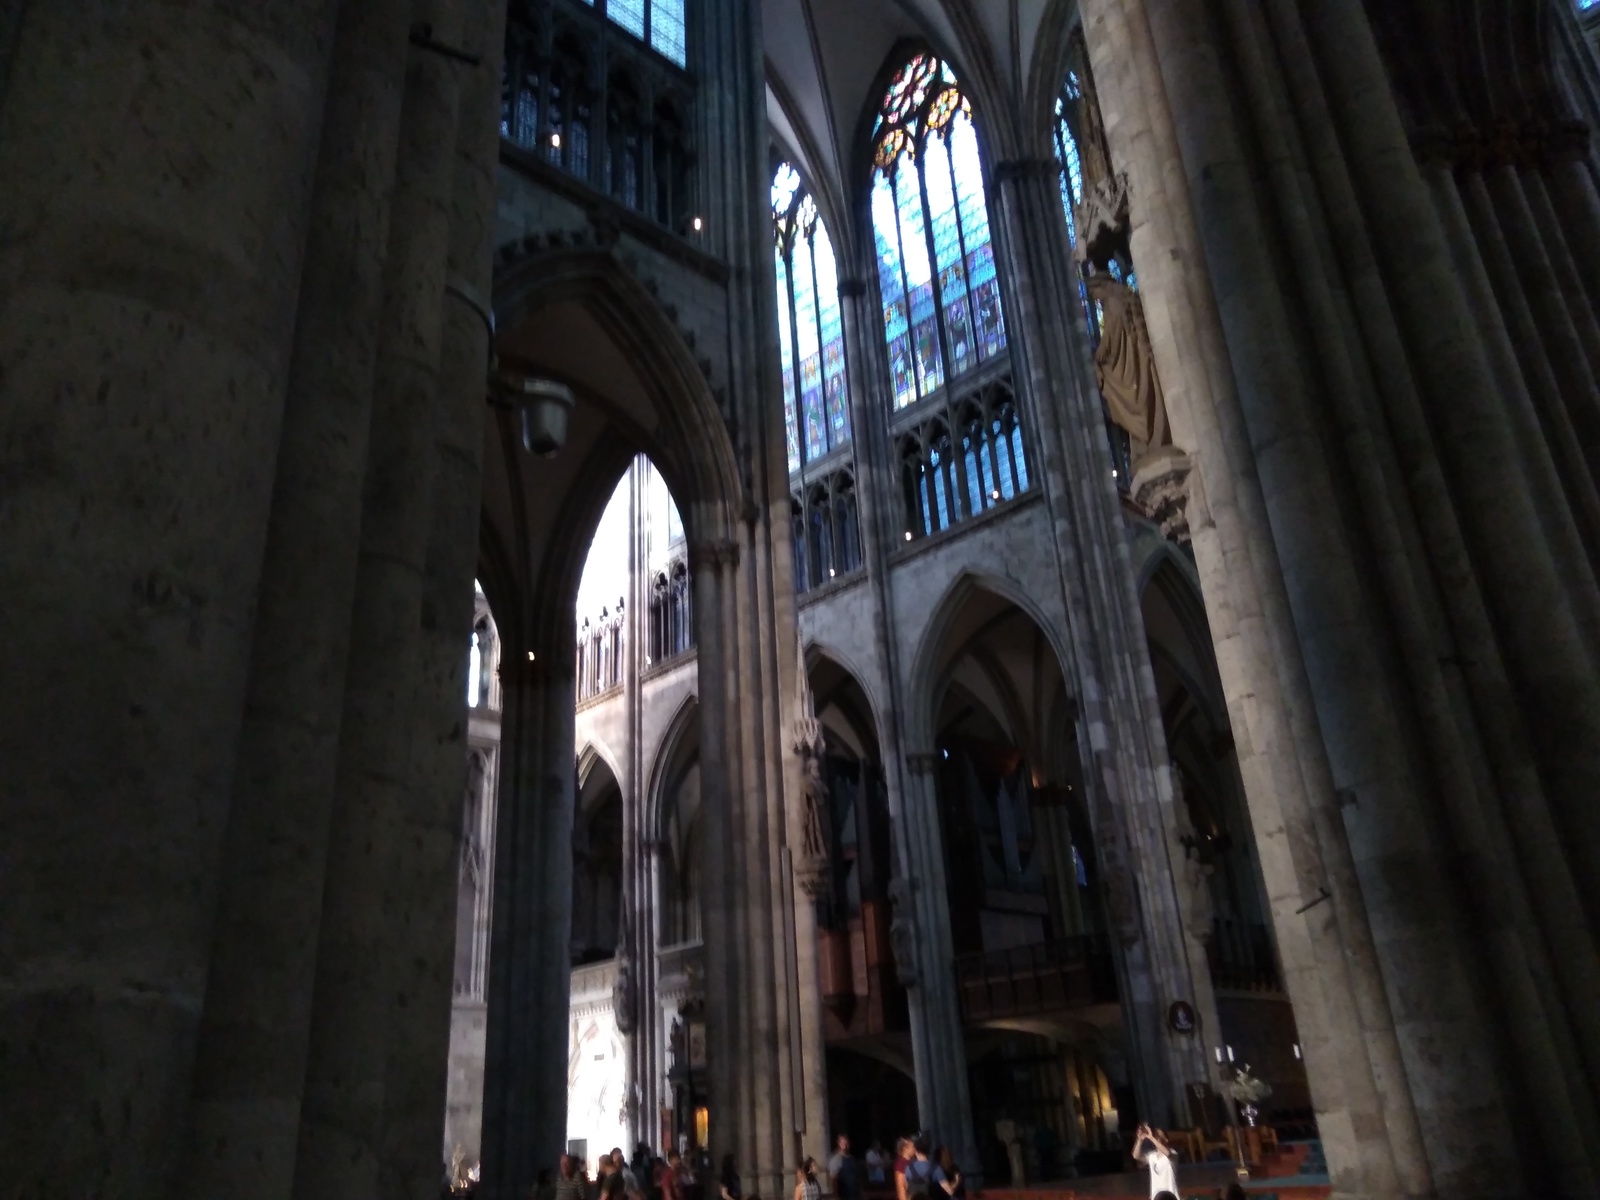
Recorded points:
(1297, 1049)
(994, 495)
(831, 572)
(697, 224)
(555, 140)
(908, 535)
(1113, 474)
(530, 655)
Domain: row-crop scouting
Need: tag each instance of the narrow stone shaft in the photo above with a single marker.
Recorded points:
(341, 1138)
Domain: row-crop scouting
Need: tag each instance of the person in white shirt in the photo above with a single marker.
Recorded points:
(875, 1161)
(1153, 1152)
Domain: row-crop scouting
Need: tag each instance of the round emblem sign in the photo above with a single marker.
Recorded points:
(1180, 1017)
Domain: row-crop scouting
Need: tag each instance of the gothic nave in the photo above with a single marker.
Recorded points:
(717, 574)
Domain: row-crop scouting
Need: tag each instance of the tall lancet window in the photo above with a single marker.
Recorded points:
(816, 395)
(936, 270)
(1068, 157)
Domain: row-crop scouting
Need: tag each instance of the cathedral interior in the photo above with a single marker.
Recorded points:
(724, 573)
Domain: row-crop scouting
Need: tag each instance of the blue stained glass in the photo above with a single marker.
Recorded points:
(919, 279)
(627, 13)
(786, 355)
(947, 233)
(666, 29)
(1006, 485)
(1071, 172)
(808, 349)
(987, 318)
(1017, 457)
(975, 489)
(891, 284)
(832, 325)
(811, 324)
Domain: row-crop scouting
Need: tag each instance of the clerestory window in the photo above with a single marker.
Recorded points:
(936, 271)
(816, 393)
(659, 23)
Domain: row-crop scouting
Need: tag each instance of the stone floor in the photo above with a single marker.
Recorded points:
(1297, 1171)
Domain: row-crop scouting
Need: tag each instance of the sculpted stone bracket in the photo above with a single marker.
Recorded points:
(1161, 487)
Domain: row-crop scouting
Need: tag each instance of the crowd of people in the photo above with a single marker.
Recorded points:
(918, 1170)
(915, 1172)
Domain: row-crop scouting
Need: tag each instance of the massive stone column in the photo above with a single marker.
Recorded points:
(1328, 385)
(251, 1060)
(530, 966)
(342, 1115)
(424, 863)
(765, 1106)
(1363, 1104)
(158, 162)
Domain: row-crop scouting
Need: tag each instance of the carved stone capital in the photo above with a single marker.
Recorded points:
(922, 762)
(852, 287)
(713, 554)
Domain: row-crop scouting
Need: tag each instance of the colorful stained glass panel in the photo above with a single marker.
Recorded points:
(786, 358)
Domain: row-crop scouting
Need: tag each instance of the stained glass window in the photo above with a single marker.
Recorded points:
(816, 395)
(666, 29)
(1067, 156)
(936, 272)
(659, 22)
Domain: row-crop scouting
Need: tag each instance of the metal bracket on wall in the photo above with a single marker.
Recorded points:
(1322, 894)
(422, 38)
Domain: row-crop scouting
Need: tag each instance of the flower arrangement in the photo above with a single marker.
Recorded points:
(1246, 1088)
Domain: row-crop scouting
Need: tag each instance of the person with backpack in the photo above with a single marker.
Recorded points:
(917, 1179)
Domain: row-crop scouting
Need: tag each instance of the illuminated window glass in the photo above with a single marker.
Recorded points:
(659, 22)
(816, 394)
(936, 272)
(1067, 156)
(629, 14)
(666, 29)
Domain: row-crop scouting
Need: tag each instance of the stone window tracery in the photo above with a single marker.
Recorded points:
(816, 391)
(600, 653)
(826, 530)
(598, 106)
(943, 480)
(671, 612)
(936, 269)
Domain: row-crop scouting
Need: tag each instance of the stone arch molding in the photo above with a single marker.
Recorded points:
(683, 720)
(924, 669)
(816, 650)
(691, 445)
(596, 752)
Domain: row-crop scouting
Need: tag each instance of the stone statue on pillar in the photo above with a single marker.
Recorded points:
(1124, 362)
(624, 997)
(811, 862)
(903, 932)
